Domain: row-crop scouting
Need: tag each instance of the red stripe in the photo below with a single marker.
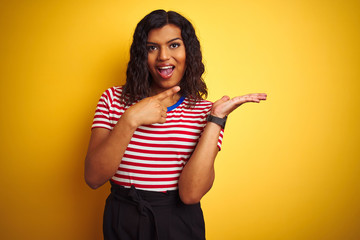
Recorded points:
(164, 138)
(101, 117)
(101, 111)
(138, 150)
(101, 122)
(149, 165)
(102, 102)
(167, 132)
(108, 94)
(102, 105)
(174, 126)
(118, 110)
(148, 172)
(158, 145)
(181, 117)
(186, 121)
(181, 111)
(146, 179)
(152, 158)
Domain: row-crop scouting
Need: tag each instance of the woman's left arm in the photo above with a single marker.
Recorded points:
(198, 174)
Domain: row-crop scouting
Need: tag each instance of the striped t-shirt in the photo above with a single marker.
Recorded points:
(157, 153)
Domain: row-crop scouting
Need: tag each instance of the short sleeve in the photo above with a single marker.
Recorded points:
(102, 112)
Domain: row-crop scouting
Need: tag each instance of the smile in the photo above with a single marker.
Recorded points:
(166, 71)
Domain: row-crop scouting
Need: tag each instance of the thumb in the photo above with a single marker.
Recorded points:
(168, 93)
(225, 98)
(222, 100)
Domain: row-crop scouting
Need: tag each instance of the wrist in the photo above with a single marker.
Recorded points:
(128, 121)
(216, 114)
(217, 120)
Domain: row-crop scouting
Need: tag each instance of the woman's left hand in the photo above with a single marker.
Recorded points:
(225, 105)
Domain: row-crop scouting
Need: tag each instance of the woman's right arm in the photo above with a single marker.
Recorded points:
(106, 148)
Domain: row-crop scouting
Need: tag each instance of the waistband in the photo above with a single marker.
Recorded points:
(145, 201)
(153, 198)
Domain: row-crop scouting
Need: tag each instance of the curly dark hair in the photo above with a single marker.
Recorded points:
(138, 78)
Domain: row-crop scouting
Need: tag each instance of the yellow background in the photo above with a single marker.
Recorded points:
(289, 167)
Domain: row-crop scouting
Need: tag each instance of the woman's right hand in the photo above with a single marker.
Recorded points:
(149, 110)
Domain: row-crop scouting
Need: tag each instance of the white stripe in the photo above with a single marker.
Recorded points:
(145, 182)
(154, 189)
(162, 142)
(102, 108)
(180, 122)
(101, 117)
(116, 115)
(180, 163)
(179, 118)
(157, 155)
(111, 94)
(175, 175)
(104, 99)
(166, 135)
(174, 149)
(101, 126)
(117, 103)
(170, 128)
(151, 169)
(191, 114)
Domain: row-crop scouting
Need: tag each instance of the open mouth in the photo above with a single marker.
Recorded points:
(166, 71)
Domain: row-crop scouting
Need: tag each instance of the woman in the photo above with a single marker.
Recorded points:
(146, 135)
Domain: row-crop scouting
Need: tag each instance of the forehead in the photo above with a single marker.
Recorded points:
(164, 34)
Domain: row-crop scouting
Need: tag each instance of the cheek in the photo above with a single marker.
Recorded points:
(150, 64)
(184, 62)
(151, 58)
(182, 59)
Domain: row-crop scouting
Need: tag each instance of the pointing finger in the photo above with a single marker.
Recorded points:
(168, 93)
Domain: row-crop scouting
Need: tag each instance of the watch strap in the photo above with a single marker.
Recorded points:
(219, 121)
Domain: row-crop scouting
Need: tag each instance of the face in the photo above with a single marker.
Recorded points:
(166, 57)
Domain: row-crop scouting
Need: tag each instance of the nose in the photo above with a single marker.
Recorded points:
(164, 54)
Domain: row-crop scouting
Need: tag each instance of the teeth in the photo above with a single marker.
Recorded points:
(167, 67)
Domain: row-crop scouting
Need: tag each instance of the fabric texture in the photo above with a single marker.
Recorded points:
(132, 214)
(156, 153)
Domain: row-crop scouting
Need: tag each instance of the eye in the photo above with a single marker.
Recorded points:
(151, 48)
(174, 45)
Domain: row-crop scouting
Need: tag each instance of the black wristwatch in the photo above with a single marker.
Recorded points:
(219, 121)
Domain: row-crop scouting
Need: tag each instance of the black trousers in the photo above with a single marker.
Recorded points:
(132, 214)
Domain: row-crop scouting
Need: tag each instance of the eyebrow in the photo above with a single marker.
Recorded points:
(166, 42)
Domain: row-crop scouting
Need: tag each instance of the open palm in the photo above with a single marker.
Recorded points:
(225, 105)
